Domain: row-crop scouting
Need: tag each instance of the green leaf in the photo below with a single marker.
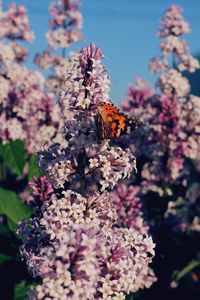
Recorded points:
(13, 155)
(4, 258)
(193, 264)
(13, 208)
(11, 225)
(32, 168)
(21, 290)
(4, 230)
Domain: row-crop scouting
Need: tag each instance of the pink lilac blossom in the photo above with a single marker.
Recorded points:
(167, 116)
(14, 24)
(172, 82)
(86, 85)
(173, 23)
(172, 47)
(66, 24)
(42, 190)
(191, 121)
(128, 206)
(70, 247)
(169, 143)
(27, 110)
(58, 65)
(74, 241)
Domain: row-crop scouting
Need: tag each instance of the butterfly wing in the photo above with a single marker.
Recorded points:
(106, 116)
(112, 123)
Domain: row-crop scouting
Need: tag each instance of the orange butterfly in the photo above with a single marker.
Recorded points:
(112, 123)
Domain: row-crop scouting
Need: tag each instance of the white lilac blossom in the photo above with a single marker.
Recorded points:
(47, 60)
(103, 167)
(74, 241)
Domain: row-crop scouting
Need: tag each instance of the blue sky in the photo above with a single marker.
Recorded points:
(124, 29)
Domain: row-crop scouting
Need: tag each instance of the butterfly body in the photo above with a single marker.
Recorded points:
(113, 123)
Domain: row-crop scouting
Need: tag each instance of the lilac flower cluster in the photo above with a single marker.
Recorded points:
(65, 23)
(75, 249)
(42, 190)
(171, 126)
(75, 242)
(103, 166)
(14, 24)
(173, 27)
(86, 84)
(170, 140)
(27, 111)
(57, 64)
(183, 214)
(128, 206)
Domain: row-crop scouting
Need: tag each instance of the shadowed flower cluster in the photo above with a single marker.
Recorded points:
(128, 206)
(170, 134)
(167, 147)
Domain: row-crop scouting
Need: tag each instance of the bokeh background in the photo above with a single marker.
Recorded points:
(125, 30)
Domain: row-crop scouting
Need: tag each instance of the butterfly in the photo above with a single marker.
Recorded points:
(112, 123)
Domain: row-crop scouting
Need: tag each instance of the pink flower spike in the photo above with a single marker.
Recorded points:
(42, 190)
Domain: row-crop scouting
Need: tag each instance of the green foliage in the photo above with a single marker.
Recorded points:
(21, 290)
(11, 224)
(129, 297)
(134, 296)
(187, 269)
(13, 208)
(4, 258)
(32, 168)
(13, 155)
(4, 230)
